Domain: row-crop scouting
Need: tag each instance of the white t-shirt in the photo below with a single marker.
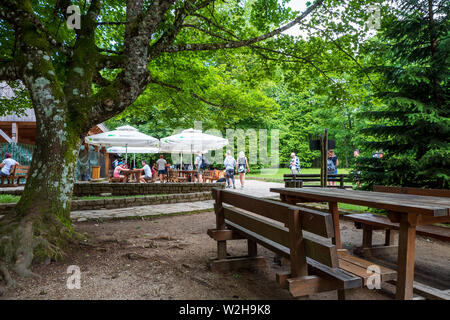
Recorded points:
(147, 171)
(8, 164)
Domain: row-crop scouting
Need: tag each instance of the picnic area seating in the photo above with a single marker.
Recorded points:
(301, 180)
(210, 175)
(369, 222)
(316, 265)
(174, 176)
(17, 174)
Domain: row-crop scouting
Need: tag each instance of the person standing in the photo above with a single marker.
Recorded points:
(199, 167)
(294, 165)
(332, 164)
(357, 173)
(161, 167)
(229, 163)
(242, 167)
(7, 165)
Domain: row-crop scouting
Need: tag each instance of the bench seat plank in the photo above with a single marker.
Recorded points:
(359, 267)
(441, 233)
(321, 251)
(344, 279)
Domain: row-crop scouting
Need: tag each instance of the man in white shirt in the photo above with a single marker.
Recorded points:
(147, 172)
(6, 165)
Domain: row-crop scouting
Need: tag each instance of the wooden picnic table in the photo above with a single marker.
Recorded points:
(190, 173)
(130, 172)
(408, 210)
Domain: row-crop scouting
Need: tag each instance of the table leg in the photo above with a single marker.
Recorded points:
(333, 208)
(405, 259)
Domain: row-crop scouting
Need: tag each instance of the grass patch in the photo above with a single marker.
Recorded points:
(278, 174)
(353, 207)
(9, 198)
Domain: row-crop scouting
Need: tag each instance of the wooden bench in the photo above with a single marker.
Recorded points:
(316, 265)
(300, 180)
(369, 222)
(17, 173)
(211, 175)
(174, 176)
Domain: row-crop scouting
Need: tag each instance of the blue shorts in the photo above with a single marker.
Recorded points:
(3, 174)
(162, 171)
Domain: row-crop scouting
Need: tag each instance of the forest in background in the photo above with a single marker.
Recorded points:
(381, 89)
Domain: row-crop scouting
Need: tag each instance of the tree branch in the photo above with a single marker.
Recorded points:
(339, 47)
(242, 43)
(298, 58)
(178, 89)
(15, 15)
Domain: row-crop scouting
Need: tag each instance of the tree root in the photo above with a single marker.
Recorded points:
(18, 250)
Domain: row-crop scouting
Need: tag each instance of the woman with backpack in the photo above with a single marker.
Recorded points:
(242, 167)
(229, 164)
(332, 164)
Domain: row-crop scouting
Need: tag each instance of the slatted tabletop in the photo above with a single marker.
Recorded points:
(408, 206)
(402, 203)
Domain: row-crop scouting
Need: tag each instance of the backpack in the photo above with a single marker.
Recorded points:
(205, 163)
(330, 166)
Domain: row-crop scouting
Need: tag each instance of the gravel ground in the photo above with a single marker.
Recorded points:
(164, 258)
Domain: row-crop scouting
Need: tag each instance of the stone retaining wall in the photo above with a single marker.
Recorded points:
(127, 189)
(108, 203)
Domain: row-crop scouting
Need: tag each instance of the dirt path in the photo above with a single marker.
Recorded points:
(167, 257)
(159, 259)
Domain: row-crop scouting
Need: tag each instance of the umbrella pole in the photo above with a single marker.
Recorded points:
(89, 163)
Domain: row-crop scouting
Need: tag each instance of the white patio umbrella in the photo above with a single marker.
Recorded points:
(125, 136)
(191, 141)
(132, 150)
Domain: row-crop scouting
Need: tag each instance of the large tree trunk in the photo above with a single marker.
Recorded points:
(40, 227)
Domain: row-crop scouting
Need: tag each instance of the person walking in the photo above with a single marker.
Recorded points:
(294, 165)
(199, 167)
(332, 164)
(230, 163)
(242, 167)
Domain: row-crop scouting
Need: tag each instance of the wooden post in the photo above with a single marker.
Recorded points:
(14, 132)
(299, 266)
(333, 209)
(220, 225)
(342, 182)
(388, 237)
(405, 269)
(367, 236)
(252, 248)
(323, 159)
